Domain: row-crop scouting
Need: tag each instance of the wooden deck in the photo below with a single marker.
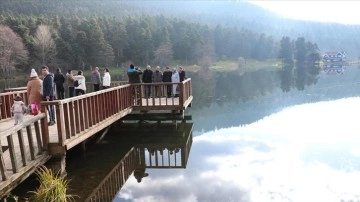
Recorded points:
(32, 143)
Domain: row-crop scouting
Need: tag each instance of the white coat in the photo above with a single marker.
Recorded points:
(81, 80)
(175, 78)
(106, 79)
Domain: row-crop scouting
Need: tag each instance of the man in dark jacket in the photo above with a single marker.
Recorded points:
(167, 78)
(147, 78)
(134, 74)
(134, 77)
(48, 91)
(59, 80)
(182, 74)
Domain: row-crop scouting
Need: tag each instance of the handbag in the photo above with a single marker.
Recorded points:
(34, 109)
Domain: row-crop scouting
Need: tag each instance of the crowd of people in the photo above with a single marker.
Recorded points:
(136, 75)
(52, 87)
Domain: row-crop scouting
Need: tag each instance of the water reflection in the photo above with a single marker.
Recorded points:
(307, 152)
(225, 99)
(334, 69)
(167, 146)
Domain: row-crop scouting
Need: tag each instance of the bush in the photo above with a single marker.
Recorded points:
(52, 187)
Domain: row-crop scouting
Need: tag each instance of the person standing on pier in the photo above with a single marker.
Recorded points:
(48, 92)
(134, 78)
(182, 74)
(157, 78)
(33, 88)
(167, 79)
(79, 83)
(147, 78)
(59, 80)
(175, 78)
(70, 83)
(96, 79)
(106, 79)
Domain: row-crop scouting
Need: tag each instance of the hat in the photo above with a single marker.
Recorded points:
(33, 73)
(18, 98)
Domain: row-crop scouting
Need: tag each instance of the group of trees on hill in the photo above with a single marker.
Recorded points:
(82, 34)
(110, 41)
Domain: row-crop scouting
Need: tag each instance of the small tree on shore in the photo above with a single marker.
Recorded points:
(44, 43)
(12, 51)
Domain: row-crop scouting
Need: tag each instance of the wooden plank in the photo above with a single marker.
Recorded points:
(31, 142)
(86, 113)
(38, 137)
(2, 164)
(72, 118)
(66, 119)
(156, 117)
(16, 178)
(22, 147)
(82, 114)
(12, 153)
(11, 129)
(60, 123)
(93, 130)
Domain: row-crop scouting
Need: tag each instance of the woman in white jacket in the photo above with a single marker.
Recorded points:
(106, 79)
(175, 78)
(79, 79)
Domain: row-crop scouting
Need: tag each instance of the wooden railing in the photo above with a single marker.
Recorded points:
(32, 153)
(78, 114)
(116, 178)
(159, 98)
(7, 100)
(81, 115)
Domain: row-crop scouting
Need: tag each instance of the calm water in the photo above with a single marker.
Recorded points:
(296, 146)
(251, 143)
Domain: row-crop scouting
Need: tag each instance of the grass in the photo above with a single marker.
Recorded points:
(53, 187)
(246, 65)
(219, 66)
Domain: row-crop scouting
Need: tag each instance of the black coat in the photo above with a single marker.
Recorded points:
(167, 76)
(59, 79)
(147, 76)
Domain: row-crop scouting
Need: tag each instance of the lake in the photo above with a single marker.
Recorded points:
(250, 142)
(269, 146)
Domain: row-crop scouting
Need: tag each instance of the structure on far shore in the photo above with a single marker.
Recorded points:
(334, 56)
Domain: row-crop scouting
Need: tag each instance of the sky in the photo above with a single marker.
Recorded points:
(275, 159)
(344, 12)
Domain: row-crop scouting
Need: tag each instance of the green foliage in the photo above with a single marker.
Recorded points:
(53, 188)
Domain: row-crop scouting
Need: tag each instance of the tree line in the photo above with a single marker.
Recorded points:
(300, 63)
(114, 41)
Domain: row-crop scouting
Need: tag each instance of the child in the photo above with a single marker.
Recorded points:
(19, 109)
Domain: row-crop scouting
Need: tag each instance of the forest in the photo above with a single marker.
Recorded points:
(82, 34)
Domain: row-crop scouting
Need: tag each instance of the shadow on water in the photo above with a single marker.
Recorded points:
(127, 151)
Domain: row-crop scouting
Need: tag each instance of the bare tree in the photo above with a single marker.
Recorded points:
(163, 55)
(12, 51)
(44, 43)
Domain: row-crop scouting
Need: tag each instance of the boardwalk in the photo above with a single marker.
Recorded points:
(26, 146)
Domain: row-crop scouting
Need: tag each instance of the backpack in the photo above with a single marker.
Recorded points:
(76, 83)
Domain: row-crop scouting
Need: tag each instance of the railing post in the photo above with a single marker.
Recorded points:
(59, 108)
(181, 94)
(44, 127)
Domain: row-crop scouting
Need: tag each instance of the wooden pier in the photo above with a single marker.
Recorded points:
(26, 146)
